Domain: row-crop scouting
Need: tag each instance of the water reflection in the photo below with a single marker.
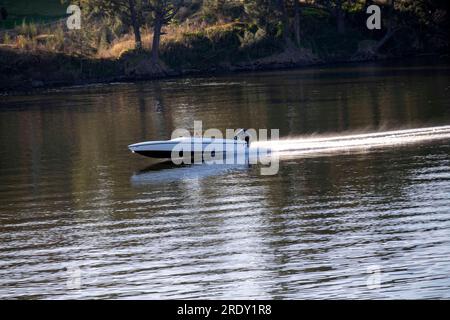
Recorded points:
(68, 195)
(167, 172)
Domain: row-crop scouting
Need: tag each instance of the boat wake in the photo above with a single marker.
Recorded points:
(294, 148)
(356, 142)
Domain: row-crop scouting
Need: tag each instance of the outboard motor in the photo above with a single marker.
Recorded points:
(242, 134)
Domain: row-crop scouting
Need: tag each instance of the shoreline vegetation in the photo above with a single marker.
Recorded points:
(130, 40)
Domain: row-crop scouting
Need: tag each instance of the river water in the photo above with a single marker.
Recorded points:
(82, 217)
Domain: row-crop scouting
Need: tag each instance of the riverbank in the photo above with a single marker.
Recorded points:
(36, 56)
(223, 48)
(21, 73)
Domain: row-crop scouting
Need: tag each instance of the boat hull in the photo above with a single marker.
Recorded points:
(155, 154)
(179, 147)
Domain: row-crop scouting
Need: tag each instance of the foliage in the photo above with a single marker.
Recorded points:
(202, 34)
(263, 13)
(222, 10)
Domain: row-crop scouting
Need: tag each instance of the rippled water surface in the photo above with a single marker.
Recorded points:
(82, 217)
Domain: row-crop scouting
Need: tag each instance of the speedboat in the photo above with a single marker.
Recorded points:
(181, 146)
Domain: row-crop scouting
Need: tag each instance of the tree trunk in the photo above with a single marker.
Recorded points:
(340, 20)
(390, 20)
(135, 24)
(156, 38)
(391, 29)
(284, 22)
(297, 22)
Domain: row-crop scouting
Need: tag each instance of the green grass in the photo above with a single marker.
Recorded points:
(36, 11)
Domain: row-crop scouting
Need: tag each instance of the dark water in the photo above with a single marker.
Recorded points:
(82, 217)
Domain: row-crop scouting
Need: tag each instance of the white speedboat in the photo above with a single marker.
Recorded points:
(193, 145)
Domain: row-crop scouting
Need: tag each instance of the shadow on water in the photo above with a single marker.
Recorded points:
(167, 171)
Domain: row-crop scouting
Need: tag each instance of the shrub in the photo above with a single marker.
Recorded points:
(6, 38)
(222, 10)
(27, 29)
(21, 42)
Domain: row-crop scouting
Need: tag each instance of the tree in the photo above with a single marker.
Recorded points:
(275, 17)
(162, 12)
(335, 7)
(284, 22)
(128, 11)
(135, 23)
(421, 20)
(263, 13)
(339, 8)
(222, 10)
(297, 22)
(392, 27)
